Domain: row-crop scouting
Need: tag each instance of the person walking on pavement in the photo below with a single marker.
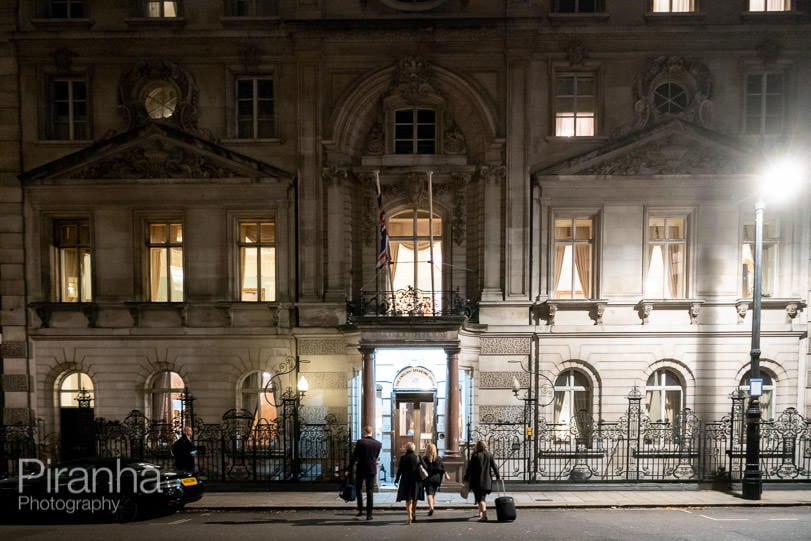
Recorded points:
(410, 486)
(479, 472)
(364, 458)
(436, 471)
(183, 450)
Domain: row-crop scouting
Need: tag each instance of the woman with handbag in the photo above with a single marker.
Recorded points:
(479, 473)
(410, 486)
(436, 471)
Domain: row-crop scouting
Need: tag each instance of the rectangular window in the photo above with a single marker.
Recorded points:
(252, 8)
(573, 258)
(667, 258)
(769, 5)
(673, 6)
(72, 261)
(165, 249)
(161, 9)
(415, 131)
(765, 100)
(257, 261)
(579, 6)
(575, 105)
(68, 118)
(254, 106)
(771, 238)
(67, 9)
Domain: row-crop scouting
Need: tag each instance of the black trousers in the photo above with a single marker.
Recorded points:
(370, 490)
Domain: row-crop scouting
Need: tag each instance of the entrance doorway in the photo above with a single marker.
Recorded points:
(414, 420)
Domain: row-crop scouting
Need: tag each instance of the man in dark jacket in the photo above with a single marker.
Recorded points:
(364, 458)
(184, 451)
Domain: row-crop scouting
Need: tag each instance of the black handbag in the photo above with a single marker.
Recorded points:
(347, 492)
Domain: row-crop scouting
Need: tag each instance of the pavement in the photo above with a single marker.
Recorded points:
(540, 497)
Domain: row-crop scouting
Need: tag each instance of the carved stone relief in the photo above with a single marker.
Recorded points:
(502, 380)
(505, 345)
(325, 346)
(501, 414)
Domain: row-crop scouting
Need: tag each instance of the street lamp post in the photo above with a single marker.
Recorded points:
(782, 179)
(752, 485)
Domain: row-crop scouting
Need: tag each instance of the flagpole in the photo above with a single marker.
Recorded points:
(431, 237)
(386, 253)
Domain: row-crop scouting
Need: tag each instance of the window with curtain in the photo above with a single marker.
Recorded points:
(769, 5)
(257, 261)
(410, 246)
(73, 263)
(165, 248)
(164, 397)
(573, 257)
(161, 9)
(575, 105)
(673, 6)
(771, 239)
(765, 104)
(68, 110)
(415, 131)
(666, 258)
(258, 398)
(73, 384)
(767, 399)
(255, 118)
(572, 395)
(664, 396)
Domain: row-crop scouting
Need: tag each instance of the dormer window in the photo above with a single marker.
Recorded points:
(415, 131)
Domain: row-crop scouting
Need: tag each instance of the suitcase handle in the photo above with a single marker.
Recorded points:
(503, 488)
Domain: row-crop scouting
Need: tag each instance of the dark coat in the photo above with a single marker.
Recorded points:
(436, 471)
(480, 471)
(182, 451)
(365, 456)
(410, 485)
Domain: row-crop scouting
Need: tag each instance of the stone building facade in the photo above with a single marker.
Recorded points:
(190, 205)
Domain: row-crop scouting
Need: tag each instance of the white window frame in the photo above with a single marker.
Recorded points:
(167, 248)
(174, 394)
(161, 8)
(769, 390)
(763, 98)
(770, 266)
(572, 243)
(686, 242)
(764, 6)
(562, 117)
(673, 6)
(259, 274)
(83, 264)
(660, 385)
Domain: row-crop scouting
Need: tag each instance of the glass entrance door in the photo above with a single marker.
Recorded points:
(415, 420)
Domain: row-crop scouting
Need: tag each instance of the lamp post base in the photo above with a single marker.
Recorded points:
(751, 489)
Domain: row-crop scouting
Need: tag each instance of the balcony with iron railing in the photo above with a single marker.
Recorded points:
(411, 303)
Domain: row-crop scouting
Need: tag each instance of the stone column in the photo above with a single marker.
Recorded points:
(335, 181)
(452, 419)
(367, 409)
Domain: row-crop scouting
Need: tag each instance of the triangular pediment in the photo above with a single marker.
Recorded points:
(154, 151)
(675, 147)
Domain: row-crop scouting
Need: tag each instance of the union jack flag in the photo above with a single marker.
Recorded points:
(383, 255)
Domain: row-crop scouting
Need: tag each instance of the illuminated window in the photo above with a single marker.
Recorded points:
(771, 239)
(673, 6)
(769, 5)
(257, 261)
(73, 263)
(160, 9)
(71, 387)
(573, 396)
(573, 258)
(165, 247)
(768, 397)
(666, 257)
(258, 397)
(164, 397)
(411, 254)
(575, 105)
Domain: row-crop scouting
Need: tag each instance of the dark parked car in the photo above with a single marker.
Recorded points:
(96, 489)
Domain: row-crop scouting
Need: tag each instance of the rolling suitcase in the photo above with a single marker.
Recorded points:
(505, 506)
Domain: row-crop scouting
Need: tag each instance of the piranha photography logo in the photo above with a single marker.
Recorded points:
(81, 488)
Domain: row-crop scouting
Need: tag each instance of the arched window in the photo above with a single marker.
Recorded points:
(664, 396)
(767, 399)
(76, 385)
(164, 400)
(257, 397)
(572, 394)
(413, 260)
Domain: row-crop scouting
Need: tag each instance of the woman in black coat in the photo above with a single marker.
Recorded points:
(410, 486)
(479, 473)
(436, 471)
